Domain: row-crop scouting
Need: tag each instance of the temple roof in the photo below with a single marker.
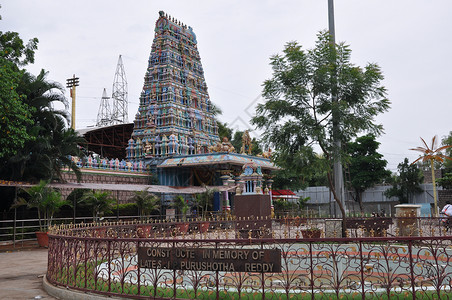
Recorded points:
(215, 159)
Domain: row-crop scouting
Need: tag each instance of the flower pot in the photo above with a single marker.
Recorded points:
(298, 221)
(182, 227)
(43, 239)
(204, 226)
(311, 234)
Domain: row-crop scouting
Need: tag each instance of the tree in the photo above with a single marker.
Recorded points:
(445, 182)
(224, 131)
(146, 202)
(15, 115)
(255, 147)
(204, 201)
(237, 140)
(407, 183)
(298, 170)
(366, 166)
(46, 200)
(181, 205)
(298, 106)
(432, 155)
(53, 142)
(447, 140)
(99, 202)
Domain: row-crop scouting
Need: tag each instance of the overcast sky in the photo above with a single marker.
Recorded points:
(410, 39)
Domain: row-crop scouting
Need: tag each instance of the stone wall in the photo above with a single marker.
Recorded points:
(428, 175)
(109, 178)
(113, 178)
(443, 196)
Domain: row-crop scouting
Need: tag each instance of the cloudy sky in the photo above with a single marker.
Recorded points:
(410, 39)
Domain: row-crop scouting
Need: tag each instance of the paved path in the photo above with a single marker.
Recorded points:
(21, 274)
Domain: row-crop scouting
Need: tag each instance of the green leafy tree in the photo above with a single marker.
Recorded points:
(256, 148)
(366, 166)
(237, 140)
(447, 141)
(445, 182)
(298, 170)
(15, 115)
(298, 109)
(224, 131)
(407, 183)
(52, 143)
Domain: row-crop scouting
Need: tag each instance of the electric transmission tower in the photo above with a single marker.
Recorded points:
(119, 95)
(104, 114)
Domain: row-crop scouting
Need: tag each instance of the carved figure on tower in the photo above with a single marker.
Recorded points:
(246, 143)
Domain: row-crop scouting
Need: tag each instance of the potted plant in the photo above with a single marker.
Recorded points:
(204, 204)
(311, 232)
(47, 201)
(182, 208)
(99, 202)
(146, 203)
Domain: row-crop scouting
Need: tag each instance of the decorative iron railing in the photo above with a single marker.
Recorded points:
(202, 260)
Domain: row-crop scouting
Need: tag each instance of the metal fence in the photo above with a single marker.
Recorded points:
(397, 264)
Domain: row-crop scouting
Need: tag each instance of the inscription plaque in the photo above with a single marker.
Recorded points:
(211, 259)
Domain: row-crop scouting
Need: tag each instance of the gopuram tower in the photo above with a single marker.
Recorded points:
(175, 113)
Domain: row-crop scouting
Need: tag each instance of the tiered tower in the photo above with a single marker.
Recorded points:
(175, 113)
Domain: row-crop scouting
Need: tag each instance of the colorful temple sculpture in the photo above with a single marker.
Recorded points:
(175, 131)
(175, 113)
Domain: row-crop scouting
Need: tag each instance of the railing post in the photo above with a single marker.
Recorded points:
(363, 295)
(410, 252)
(311, 271)
(262, 279)
(86, 265)
(138, 271)
(14, 230)
(174, 277)
(216, 278)
(109, 265)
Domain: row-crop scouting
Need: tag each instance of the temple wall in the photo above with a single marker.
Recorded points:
(108, 178)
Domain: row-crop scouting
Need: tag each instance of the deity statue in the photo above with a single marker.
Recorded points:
(225, 146)
(246, 143)
(148, 148)
(266, 154)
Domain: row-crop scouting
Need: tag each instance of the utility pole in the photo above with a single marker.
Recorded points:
(72, 83)
(337, 145)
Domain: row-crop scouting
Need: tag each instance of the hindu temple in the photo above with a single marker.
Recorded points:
(175, 131)
(175, 113)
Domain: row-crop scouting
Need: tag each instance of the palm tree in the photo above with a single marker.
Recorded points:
(204, 201)
(53, 142)
(46, 200)
(181, 205)
(99, 202)
(432, 154)
(146, 202)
